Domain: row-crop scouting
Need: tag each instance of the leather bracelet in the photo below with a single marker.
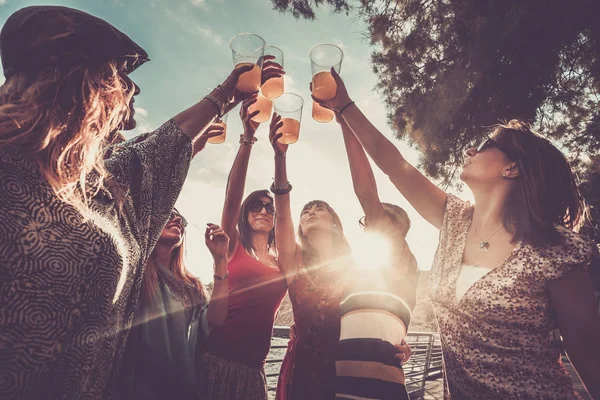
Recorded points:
(247, 140)
(220, 105)
(221, 277)
(283, 189)
(346, 106)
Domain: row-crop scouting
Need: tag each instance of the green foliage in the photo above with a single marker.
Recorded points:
(449, 68)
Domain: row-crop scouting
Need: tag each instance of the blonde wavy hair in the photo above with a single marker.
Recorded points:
(61, 118)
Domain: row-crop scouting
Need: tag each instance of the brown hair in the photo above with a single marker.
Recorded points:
(176, 267)
(244, 229)
(61, 118)
(340, 244)
(545, 193)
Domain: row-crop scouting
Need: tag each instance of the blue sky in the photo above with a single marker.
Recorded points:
(188, 43)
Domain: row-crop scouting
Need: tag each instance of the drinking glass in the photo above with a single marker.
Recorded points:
(273, 88)
(221, 138)
(289, 107)
(322, 58)
(264, 105)
(248, 49)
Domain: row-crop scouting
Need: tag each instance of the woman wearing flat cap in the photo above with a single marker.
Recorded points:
(75, 229)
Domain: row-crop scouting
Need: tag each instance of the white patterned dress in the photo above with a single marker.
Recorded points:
(500, 341)
(69, 289)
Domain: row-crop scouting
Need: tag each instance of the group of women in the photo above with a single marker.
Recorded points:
(95, 299)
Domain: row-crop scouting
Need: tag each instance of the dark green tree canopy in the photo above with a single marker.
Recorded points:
(449, 68)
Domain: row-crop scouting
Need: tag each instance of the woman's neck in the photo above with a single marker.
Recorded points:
(322, 243)
(259, 242)
(162, 254)
(489, 208)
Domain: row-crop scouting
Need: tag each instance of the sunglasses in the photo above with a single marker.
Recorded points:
(257, 206)
(489, 142)
(176, 214)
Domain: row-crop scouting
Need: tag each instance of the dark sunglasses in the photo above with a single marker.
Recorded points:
(257, 206)
(176, 214)
(489, 142)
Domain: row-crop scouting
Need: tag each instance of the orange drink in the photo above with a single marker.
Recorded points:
(289, 107)
(324, 86)
(321, 114)
(264, 105)
(221, 138)
(249, 82)
(273, 88)
(323, 57)
(290, 130)
(248, 49)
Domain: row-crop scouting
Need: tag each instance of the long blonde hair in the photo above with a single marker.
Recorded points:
(61, 117)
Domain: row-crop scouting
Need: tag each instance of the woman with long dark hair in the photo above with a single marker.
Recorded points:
(510, 276)
(76, 230)
(233, 366)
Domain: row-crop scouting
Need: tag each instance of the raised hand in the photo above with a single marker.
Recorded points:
(270, 69)
(234, 96)
(250, 126)
(276, 124)
(214, 129)
(341, 97)
(217, 241)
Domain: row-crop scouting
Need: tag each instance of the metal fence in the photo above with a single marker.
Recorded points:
(425, 362)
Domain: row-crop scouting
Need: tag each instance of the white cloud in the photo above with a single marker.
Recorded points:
(142, 112)
(3, 2)
(209, 34)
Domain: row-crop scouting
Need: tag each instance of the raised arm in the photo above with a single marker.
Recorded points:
(284, 227)
(237, 176)
(363, 180)
(422, 194)
(217, 242)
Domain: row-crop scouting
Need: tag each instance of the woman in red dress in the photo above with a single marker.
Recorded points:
(231, 366)
(314, 271)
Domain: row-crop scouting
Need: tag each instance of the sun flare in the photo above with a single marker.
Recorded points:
(371, 251)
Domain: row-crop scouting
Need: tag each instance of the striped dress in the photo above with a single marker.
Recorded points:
(375, 312)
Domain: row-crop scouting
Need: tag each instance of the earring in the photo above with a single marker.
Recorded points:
(504, 174)
(334, 225)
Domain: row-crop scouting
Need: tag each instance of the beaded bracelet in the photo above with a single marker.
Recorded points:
(221, 277)
(283, 189)
(247, 140)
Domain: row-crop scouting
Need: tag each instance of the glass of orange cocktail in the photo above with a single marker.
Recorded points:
(289, 107)
(248, 49)
(219, 122)
(264, 105)
(273, 88)
(322, 58)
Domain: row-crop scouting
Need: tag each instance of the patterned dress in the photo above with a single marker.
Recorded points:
(68, 288)
(500, 341)
(308, 368)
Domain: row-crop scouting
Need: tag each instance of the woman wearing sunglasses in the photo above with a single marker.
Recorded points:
(159, 359)
(233, 365)
(511, 273)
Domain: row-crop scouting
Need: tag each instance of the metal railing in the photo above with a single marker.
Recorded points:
(425, 362)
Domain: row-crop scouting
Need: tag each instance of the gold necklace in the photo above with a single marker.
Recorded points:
(484, 245)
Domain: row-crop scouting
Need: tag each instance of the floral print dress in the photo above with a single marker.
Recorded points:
(501, 340)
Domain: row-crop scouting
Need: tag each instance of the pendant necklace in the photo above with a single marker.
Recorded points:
(484, 245)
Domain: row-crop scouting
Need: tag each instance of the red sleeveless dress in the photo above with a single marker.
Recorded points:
(308, 369)
(255, 294)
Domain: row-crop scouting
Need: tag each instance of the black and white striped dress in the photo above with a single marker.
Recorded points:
(375, 312)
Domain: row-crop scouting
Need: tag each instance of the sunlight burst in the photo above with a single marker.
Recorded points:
(371, 251)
